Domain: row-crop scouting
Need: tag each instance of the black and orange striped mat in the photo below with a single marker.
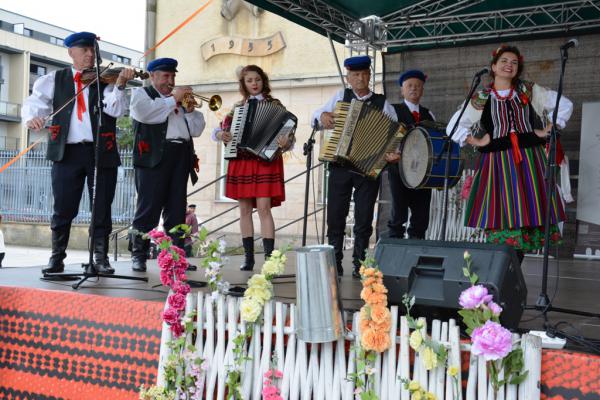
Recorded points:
(57, 345)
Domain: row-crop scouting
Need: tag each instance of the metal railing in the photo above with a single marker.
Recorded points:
(26, 190)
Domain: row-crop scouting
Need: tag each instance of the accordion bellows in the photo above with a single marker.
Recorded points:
(256, 126)
(361, 137)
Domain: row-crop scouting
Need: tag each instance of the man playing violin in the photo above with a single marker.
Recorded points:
(71, 139)
(163, 155)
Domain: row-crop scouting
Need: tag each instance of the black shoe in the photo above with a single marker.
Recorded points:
(101, 263)
(268, 246)
(138, 265)
(191, 267)
(248, 243)
(105, 268)
(356, 273)
(340, 270)
(57, 268)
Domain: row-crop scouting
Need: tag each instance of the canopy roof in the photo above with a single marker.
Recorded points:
(402, 24)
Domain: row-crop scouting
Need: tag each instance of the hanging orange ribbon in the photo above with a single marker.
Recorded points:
(16, 158)
(178, 27)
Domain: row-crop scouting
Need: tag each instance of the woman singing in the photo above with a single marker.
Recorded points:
(508, 195)
(253, 182)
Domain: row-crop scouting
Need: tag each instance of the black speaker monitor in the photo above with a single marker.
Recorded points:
(432, 272)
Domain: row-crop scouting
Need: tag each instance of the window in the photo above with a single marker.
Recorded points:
(56, 41)
(126, 60)
(27, 32)
(37, 69)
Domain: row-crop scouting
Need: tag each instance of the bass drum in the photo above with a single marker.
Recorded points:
(419, 165)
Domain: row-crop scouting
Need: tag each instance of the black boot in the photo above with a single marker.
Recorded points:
(139, 252)
(248, 243)
(356, 272)
(60, 241)
(101, 261)
(268, 246)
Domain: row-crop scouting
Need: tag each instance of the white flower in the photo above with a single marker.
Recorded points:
(466, 255)
(222, 246)
(275, 254)
(214, 265)
(370, 370)
(214, 295)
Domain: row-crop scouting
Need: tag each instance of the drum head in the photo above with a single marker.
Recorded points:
(414, 160)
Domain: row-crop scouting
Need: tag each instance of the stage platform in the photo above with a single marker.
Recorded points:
(577, 287)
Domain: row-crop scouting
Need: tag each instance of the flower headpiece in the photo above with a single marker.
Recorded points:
(504, 47)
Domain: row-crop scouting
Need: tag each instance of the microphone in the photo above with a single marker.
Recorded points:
(571, 43)
(482, 72)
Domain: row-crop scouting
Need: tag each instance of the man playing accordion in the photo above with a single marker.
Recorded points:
(343, 178)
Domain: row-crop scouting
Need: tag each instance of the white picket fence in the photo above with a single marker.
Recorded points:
(320, 371)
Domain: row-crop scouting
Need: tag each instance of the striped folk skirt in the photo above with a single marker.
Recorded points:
(508, 199)
(249, 177)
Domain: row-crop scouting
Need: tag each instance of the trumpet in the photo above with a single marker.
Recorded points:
(194, 99)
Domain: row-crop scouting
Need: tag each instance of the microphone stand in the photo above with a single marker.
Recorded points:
(89, 269)
(543, 302)
(308, 152)
(448, 150)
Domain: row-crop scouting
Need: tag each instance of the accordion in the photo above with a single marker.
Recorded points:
(361, 137)
(256, 126)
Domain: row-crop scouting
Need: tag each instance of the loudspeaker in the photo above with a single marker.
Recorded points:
(432, 272)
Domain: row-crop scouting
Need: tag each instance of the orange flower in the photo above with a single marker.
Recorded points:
(379, 288)
(380, 314)
(374, 340)
(369, 281)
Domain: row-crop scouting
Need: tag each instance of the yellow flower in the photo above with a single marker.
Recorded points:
(415, 395)
(275, 254)
(453, 370)
(429, 358)
(466, 255)
(259, 280)
(250, 309)
(260, 294)
(431, 396)
(414, 385)
(415, 340)
(272, 267)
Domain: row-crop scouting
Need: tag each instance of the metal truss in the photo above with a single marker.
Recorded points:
(339, 25)
(429, 8)
(559, 17)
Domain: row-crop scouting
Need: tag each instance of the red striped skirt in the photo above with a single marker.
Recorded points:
(250, 177)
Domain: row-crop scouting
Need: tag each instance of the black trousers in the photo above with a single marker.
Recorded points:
(163, 189)
(340, 184)
(403, 198)
(68, 179)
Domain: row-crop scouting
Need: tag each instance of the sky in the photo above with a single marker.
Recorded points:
(120, 22)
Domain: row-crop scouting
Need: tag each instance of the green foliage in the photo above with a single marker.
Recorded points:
(125, 134)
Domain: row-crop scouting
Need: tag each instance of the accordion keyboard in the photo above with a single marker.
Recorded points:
(331, 139)
(237, 125)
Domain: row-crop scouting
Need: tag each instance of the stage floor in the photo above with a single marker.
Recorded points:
(577, 288)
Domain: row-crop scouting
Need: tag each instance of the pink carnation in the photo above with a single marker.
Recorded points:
(494, 308)
(170, 316)
(176, 329)
(165, 260)
(158, 236)
(474, 296)
(166, 278)
(177, 301)
(180, 287)
(491, 340)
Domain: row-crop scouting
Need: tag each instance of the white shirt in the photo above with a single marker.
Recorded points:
(548, 102)
(213, 135)
(339, 96)
(39, 104)
(2, 248)
(157, 111)
(412, 107)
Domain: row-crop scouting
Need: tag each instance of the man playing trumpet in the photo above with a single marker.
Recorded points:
(163, 154)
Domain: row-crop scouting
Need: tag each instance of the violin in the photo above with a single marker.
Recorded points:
(109, 75)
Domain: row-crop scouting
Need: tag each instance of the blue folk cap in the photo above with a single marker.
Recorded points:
(162, 64)
(412, 73)
(357, 63)
(80, 39)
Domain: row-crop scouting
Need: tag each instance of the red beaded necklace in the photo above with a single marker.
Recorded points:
(502, 98)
